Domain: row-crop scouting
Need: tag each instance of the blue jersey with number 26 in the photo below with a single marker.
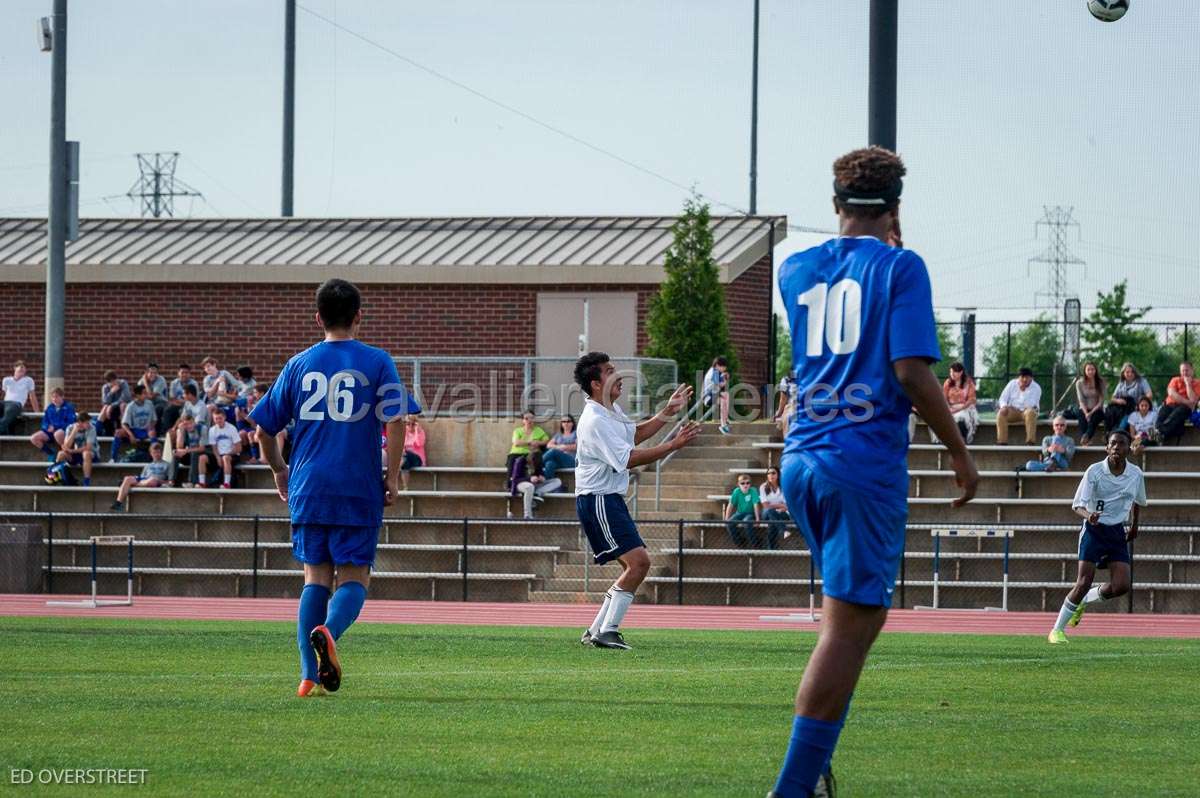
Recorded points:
(856, 305)
(339, 393)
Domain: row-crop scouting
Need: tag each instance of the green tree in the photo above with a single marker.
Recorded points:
(783, 347)
(1036, 345)
(1111, 337)
(686, 320)
(947, 334)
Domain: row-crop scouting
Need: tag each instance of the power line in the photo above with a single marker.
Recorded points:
(541, 123)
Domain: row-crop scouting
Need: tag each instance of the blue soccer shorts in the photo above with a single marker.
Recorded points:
(609, 527)
(317, 544)
(1102, 544)
(856, 539)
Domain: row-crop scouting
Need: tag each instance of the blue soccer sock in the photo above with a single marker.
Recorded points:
(313, 606)
(344, 608)
(808, 756)
(46, 448)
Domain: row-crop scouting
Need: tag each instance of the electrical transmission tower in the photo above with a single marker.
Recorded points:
(156, 186)
(1057, 256)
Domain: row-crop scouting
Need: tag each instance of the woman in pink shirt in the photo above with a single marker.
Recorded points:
(414, 448)
(959, 390)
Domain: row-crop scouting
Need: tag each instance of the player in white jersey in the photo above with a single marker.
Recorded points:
(1106, 494)
(604, 453)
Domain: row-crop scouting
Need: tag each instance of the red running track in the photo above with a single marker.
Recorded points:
(650, 616)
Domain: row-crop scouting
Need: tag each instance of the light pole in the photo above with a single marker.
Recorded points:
(56, 222)
(881, 100)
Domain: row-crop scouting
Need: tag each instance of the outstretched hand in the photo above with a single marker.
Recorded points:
(679, 399)
(687, 433)
(965, 476)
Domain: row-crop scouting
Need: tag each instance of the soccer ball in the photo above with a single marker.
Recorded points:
(1108, 10)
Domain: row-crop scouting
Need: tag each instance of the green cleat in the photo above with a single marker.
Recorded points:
(1073, 621)
(1057, 636)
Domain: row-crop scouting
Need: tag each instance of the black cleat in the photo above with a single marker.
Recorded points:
(329, 670)
(610, 640)
(586, 640)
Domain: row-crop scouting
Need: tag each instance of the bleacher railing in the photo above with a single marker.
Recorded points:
(695, 562)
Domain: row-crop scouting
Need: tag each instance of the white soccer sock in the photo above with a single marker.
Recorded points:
(616, 612)
(594, 629)
(228, 478)
(1064, 615)
(1094, 595)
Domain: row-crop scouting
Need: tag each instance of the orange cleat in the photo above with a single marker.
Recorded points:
(307, 689)
(329, 670)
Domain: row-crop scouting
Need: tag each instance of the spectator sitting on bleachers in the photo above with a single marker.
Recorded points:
(246, 383)
(1089, 392)
(524, 459)
(742, 512)
(560, 452)
(192, 403)
(959, 390)
(788, 391)
(226, 445)
(716, 390)
(1183, 393)
(175, 395)
(59, 415)
(156, 391)
(190, 438)
(1126, 394)
(138, 423)
(1142, 425)
(414, 447)
(114, 396)
(154, 474)
(18, 389)
(1019, 402)
(1057, 449)
(80, 446)
(774, 508)
(245, 427)
(220, 387)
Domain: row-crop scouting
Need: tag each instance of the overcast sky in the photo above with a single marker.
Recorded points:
(1003, 108)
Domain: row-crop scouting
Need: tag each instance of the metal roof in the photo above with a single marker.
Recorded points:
(462, 241)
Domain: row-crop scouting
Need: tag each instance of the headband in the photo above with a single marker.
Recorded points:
(885, 196)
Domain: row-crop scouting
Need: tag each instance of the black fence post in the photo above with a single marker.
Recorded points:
(1008, 353)
(1130, 576)
(1185, 341)
(465, 567)
(254, 565)
(50, 552)
(679, 568)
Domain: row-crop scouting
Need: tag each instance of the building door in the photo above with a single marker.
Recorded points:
(611, 326)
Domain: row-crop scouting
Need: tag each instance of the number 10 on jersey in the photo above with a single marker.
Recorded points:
(834, 317)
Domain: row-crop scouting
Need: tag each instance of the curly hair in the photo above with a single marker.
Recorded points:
(868, 170)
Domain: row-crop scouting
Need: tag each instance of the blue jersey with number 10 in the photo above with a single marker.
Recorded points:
(339, 393)
(855, 305)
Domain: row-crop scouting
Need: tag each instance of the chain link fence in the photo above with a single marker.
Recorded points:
(1056, 351)
(747, 563)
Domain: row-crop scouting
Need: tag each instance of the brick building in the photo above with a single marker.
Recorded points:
(173, 290)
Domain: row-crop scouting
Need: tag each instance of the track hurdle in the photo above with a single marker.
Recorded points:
(797, 617)
(95, 601)
(938, 534)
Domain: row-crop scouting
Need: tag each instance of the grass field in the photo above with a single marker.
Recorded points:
(208, 709)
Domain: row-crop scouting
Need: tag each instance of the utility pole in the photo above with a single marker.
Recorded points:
(289, 105)
(56, 219)
(1057, 257)
(881, 100)
(754, 120)
(156, 186)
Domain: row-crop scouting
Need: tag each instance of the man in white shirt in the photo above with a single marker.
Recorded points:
(604, 454)
(18, 389)
(1106, 494)
(1019, 402)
